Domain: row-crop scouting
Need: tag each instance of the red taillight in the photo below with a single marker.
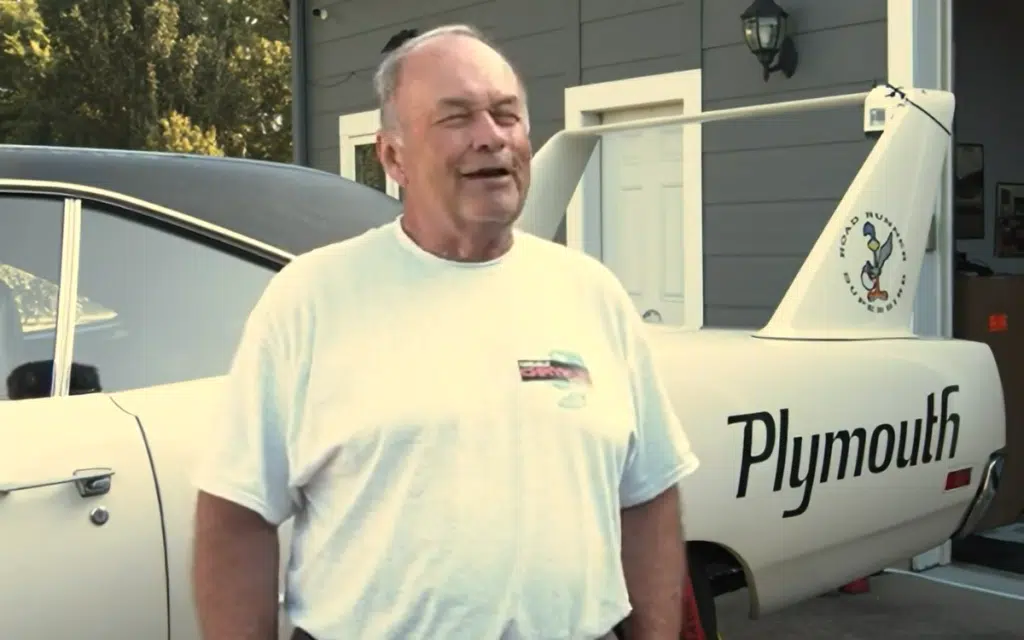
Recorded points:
(958, 478)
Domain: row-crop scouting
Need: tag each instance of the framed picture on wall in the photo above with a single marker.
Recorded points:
(969, 191)
(1009, 220)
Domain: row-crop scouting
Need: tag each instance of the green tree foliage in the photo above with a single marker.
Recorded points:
(177, 133)
(201, 76)
(197, 76)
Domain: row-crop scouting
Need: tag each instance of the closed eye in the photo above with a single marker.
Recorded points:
(455, 118)
(506, 118)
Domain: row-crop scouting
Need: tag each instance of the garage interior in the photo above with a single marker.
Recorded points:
(988, 220)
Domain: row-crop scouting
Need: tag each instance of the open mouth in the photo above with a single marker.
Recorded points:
(487, 172)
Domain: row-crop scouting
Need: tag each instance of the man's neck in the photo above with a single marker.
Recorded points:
(473, 243)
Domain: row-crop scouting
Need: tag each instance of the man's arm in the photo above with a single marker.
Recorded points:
(654, 564)
(235, 571)
(653, 551)
(243, 483)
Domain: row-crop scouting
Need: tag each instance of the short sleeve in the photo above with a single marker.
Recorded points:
(660, 454)
(246, 456)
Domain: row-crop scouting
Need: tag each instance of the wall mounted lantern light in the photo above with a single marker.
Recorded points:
(399, 39)
(765, 31)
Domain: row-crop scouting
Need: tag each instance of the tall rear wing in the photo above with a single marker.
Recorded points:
(860, 278)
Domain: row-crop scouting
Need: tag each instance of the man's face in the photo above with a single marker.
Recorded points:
(462, 146)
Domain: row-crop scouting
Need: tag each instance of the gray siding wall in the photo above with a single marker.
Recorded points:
(542, 37)
(769, 184)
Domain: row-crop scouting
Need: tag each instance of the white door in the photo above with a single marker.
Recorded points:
(642, 212)
(357, 144)
(81, 559)
(81, 537)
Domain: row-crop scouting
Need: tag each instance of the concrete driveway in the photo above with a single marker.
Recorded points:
(898, 606)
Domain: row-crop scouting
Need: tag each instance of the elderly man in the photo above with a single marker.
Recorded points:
(464, 420)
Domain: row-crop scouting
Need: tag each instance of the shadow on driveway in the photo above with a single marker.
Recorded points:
(898, 607)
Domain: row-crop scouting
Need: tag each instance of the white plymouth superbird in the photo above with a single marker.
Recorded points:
(834, 442)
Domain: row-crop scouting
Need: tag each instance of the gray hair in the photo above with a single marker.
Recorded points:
(385, 80)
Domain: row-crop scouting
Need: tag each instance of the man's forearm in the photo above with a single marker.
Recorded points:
(235, 572)
(654, 563)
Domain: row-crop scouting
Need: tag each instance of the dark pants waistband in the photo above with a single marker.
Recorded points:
(299, 634)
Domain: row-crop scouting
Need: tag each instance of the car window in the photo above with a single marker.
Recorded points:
(30, 260)
(36, 301)
(177, 303)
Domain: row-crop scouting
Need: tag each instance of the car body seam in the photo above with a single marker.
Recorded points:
(160, 508)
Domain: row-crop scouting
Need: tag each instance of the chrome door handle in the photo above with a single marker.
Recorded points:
(88, 482)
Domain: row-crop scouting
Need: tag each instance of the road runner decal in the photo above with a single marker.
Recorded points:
(876, 255)
(846, 453)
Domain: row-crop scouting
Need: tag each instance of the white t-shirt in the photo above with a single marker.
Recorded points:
(455, 440)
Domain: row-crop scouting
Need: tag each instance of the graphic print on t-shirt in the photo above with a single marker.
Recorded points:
(564, 370)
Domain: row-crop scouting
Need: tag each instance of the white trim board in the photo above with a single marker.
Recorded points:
(356, 129)
(920, 54)
(584, 105)
(920, 43)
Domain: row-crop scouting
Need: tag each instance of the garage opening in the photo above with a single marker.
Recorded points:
(988, 221)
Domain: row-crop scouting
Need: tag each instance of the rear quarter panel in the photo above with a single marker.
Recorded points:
(849, 526)
(770, 421)
(175, 419)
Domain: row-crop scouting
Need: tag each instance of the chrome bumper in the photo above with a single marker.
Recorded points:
(986, 493)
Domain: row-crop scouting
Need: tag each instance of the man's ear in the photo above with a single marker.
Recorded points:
(389, 152)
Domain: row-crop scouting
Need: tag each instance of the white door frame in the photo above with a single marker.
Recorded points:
(920, 54)
(355, 129)
(584, 105)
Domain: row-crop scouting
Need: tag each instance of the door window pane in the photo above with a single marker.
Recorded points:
(175, 305)
(30, 251)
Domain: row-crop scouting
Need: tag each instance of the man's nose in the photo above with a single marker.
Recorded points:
(487, 134)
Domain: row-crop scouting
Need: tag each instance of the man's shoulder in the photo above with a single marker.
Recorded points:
(555, 253)
(301, 283)
(323, 260)
(581, 267)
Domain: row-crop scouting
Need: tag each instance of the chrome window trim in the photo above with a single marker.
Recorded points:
(146, 209)
(67, 298)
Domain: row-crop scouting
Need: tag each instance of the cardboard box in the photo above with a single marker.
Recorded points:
(990, 309)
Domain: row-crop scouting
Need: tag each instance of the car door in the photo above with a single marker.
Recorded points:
(160, 334)
(81, 541)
